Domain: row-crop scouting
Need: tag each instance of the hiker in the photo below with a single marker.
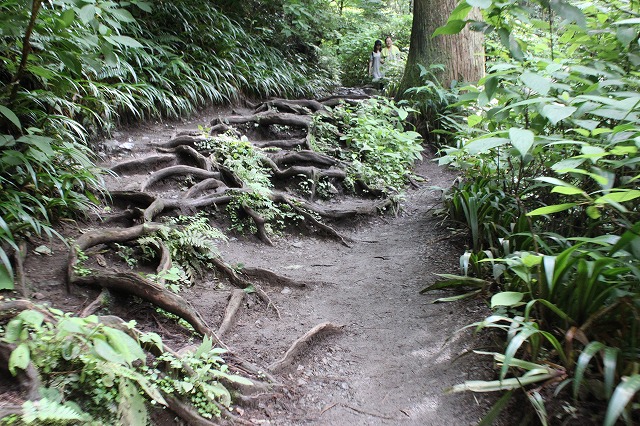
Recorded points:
(390, 51)
(375, 60)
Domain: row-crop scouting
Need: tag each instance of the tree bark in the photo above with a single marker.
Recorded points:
(462, 54)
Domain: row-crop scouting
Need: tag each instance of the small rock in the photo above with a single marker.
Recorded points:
(344, 385)
(127, 146)
(297, 244)
(38, 296)
(286, 290)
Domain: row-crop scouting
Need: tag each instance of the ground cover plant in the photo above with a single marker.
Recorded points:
(74, 70)
(548, 192)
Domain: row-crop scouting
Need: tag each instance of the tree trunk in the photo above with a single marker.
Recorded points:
(462, 54)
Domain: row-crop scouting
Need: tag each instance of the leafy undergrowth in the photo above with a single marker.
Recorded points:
(548, 194)
(92, 373)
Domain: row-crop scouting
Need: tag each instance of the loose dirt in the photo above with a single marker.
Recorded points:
(392, 353)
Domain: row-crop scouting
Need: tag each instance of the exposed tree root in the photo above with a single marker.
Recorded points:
(191, 153)
(282, 198)
(235, 301)
(131, 282)
(267, 118)
(281, 158)
(135, 166)
(281, 143)
(18, 266)
(188, 140)
(271, 277)
(132, 198)
(178, 170)
(260, 224)
(204, 186)
(301, 106)
(151, 292)
(187, 412)
(29, 379)
(309, 171)
(303, 342)
(11, 308)
(186, 205)
(98, 302)
(239, 281)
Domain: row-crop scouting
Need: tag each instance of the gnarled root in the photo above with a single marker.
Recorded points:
(131, 282)
(235, 301)
(301, 343)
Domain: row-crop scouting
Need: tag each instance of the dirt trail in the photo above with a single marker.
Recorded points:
(394, 356)
(392, 362)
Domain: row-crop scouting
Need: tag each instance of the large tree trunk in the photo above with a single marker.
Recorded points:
(461, 54)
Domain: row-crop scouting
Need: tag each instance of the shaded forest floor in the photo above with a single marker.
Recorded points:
(394, 352)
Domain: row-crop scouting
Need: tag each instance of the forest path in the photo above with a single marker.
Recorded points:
(396, 352)
(393, 360)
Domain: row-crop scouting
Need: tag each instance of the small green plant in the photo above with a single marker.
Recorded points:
(204, 387)
(379, 149)
(127, 254)
(192, 243)
(79, 268)
(96, 374)
(174, 278)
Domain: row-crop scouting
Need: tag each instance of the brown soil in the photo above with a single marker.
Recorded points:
(394, 352)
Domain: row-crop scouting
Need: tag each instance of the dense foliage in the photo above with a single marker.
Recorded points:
(548, 158)
(72, 70)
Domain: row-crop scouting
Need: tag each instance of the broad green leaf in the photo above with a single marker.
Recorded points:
(474, 120)
(602, 180)
(461, 11)
(124, 344)
(131, 409)
(624, 392)
(536, 82)
(106, 352)
(553, 181)
(451, 27)
(33, 318)
(87, 13)
(569, 12)
(568, 164)
(123, 15)
(124, 41)
(478, 146)
(490, 87)
(556, 113)
(626, 35)
(593, 212)
(551, 209)
(6, 279)
(619, 196)
(506, 298)
(144, 5)
(630, 21)
(19, 358)
(567, 190)
(10, 116)
(583, 362)
(521, 139)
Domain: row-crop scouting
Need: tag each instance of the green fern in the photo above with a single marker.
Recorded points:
(45, 411)
(191, 240)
